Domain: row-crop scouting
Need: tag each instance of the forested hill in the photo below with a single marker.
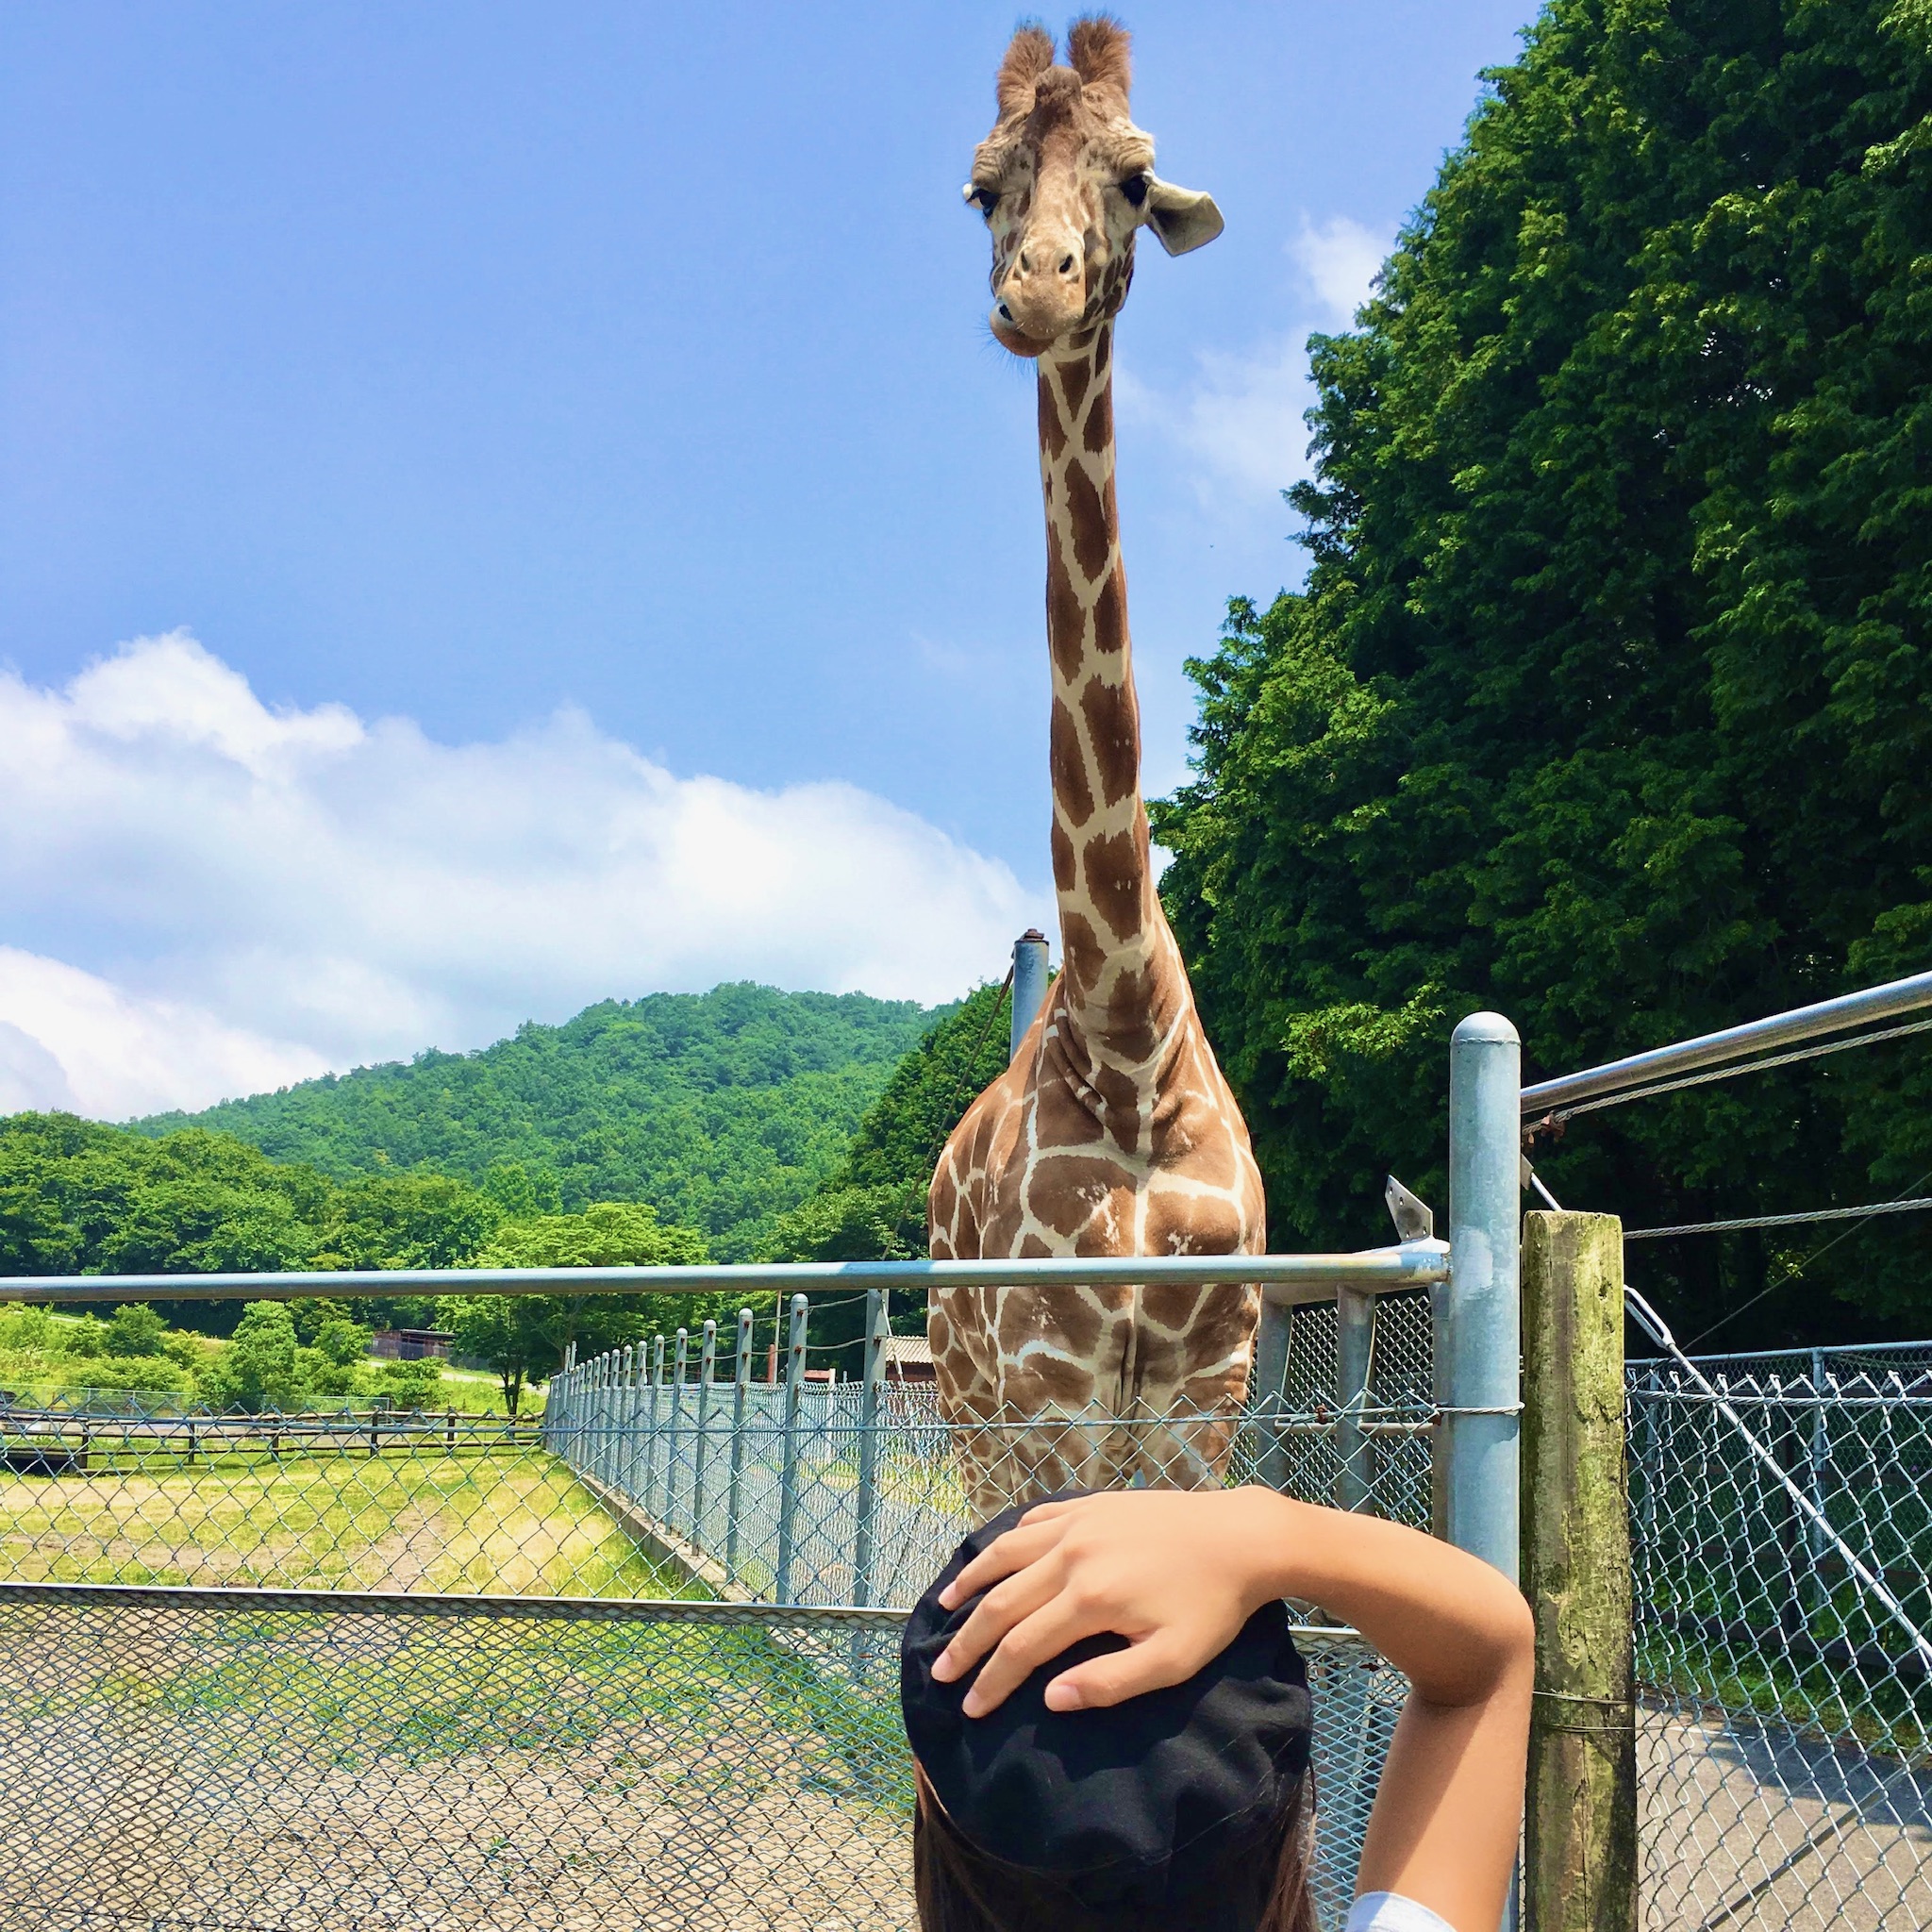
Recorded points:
(721, 1110)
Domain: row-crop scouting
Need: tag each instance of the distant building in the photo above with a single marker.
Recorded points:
(908, 1359)
(412, 1344)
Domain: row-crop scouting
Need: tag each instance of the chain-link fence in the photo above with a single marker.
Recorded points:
(430, 1671)
(808, 1492)
(1785, 1701)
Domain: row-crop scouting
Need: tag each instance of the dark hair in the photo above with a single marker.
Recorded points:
(961, 1888)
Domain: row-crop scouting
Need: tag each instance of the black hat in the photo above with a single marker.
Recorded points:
(1153, 1809)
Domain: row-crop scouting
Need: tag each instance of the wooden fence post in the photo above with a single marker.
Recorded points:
(1580, 1865)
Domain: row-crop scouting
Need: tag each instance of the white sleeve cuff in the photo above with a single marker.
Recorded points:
(1386, 1911)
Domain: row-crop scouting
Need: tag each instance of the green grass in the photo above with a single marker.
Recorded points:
(511, 1520)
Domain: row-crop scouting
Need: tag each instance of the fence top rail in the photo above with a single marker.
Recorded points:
(1764, 1355)
(1383, 1271)
(1735, 1042)
(225, 1599)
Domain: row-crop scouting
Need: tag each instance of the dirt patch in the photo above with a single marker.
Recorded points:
(323, 1773)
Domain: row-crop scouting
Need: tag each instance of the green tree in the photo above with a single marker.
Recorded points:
(342, 1342)
(259, 1370)
(409, 1221)
(413, 1384)
(1606, 696)
(522, 1338)
(86, 1336)
(136, 1330)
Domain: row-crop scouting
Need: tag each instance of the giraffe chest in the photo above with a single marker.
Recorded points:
(1060, 1180)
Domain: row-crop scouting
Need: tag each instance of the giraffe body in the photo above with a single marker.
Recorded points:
(1113, 1132)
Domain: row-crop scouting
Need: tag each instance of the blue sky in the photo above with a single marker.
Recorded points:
(485, 398)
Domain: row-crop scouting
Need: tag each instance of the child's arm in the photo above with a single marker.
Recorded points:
(1178, 1573)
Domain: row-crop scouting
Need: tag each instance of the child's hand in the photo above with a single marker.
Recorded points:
(1175, 1573)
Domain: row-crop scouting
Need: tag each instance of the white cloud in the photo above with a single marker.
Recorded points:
(210, 896)
(1342, 260)
(1240, 415)
(1241, 419)
(74, 1041)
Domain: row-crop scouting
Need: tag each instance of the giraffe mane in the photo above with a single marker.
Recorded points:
(1029, 55)
(1099, 50)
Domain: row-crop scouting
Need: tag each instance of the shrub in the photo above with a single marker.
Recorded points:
(87, 1335)
(27, 1331)
(136, 1330)
(412, 1384)
(148, 1375)
(259, 1369)
(342, 1342)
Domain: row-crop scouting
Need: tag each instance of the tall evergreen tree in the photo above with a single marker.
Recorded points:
(1607, 699)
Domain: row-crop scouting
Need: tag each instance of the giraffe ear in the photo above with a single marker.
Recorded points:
(1182, 218)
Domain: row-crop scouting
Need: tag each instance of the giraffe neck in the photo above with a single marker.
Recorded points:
(1122, 990)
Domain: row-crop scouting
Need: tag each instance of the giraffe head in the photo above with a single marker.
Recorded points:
(1066, 181)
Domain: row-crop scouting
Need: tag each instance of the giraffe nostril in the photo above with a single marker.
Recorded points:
(1066, 264)
(1006, 314)
(1026, 261)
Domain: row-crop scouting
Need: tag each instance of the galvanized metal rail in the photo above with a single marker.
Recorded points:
(1284, 1278)
(1735, 1042)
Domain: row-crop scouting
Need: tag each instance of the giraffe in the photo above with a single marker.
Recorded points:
(1113, 1131)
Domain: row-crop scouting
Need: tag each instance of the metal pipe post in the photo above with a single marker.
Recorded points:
(676, 1454)
(1478, 1314)
(1819, 1455)
(649, 1487)
(1271, 1339)
(740, 1399)
(875, 1331)
(1477, 1311)
(1355, 1350)
(707, 1369)
(1029, 986)
(788, 1476)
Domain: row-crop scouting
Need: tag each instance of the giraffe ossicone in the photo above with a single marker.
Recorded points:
(1113, 1131)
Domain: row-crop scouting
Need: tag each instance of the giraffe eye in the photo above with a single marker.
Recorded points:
(1135, 189)
(984, 199)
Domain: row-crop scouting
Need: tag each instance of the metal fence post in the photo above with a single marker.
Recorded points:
(1029, 987)
(708, 1367)
(1355, 1348)
(1477, 1311)
(788, 1478)
(671, 1459)
(621, 1452)
(875, 1331)
(1580, 1844)
(648, 1488)
(740, 1397)
(1819, 1458)
(1266, 1395)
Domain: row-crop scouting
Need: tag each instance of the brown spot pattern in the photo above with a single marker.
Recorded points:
(1115, 870)
(1100, 423)
(1111, 615)
(1065, 626)
(1069, 766)
(1113, 729)
(1092, 526)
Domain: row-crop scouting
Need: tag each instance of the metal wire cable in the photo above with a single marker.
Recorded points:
(1557, 1116)
(1655, 1234)
(1793, 1272)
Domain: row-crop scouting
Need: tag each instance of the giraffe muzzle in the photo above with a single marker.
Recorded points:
(1043, 295)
